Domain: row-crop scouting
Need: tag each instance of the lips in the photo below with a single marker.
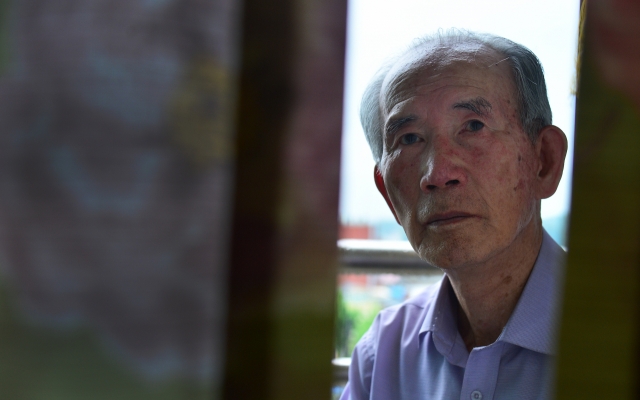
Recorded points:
(447, 218)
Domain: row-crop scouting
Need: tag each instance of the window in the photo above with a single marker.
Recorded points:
(378, 29)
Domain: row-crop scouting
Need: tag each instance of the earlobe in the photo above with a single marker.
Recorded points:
(382, 188)
(551, 147)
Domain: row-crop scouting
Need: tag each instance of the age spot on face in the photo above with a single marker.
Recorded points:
(518, 186)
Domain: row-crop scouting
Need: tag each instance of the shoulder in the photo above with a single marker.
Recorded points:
(411, 311)
(398, 323)
(394, 328)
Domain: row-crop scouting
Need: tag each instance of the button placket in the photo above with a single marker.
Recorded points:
(481, 372)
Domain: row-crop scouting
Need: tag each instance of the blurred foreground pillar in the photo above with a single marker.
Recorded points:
(116, 184)
(131, 265)
(599, 344)
(116, 167)
(283, 254)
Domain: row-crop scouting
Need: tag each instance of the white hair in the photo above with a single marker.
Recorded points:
(531, 91)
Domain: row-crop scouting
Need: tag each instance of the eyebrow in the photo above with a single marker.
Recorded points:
(395, 124)
(479, 105)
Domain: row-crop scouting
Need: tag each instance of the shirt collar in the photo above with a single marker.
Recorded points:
(533, 322)
(441, 320)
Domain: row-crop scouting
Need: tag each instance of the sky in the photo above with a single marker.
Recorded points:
(378, 29)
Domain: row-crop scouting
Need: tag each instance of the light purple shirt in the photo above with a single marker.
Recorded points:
(414, 351)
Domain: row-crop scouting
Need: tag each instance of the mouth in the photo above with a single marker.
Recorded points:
(448, 218)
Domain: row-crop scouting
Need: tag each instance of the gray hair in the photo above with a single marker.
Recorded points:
(531, 90)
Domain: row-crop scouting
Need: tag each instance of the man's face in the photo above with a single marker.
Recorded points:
(459, 171)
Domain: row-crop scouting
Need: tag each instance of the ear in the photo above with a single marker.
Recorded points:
(377, 177)
(551, 148)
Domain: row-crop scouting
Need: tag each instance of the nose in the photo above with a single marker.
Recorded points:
(443, 166)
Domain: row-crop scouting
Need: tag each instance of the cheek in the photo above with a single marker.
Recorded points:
(506, 174)
(521, 196)
(495, 166)
(527, 169)
(403, 184)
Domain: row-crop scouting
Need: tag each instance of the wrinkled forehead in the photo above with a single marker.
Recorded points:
(433, 62)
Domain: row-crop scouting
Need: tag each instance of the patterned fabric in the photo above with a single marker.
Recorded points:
(115, 174)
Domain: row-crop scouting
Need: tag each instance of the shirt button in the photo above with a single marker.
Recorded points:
(476, 395)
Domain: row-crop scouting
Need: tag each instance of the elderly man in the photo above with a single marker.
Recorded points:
(460, 128)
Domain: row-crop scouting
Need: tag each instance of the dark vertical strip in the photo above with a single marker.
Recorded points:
(264, 103)
(4, 34)
(598, 347)
(283, 256)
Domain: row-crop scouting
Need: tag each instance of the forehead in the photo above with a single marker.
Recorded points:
(464, 69)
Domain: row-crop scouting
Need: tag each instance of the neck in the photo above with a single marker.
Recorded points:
(488, 292)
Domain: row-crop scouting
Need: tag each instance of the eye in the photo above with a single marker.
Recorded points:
(409, 138)
(475, 125)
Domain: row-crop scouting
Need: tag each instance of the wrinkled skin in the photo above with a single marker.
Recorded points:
(459, 173)
(464, 180)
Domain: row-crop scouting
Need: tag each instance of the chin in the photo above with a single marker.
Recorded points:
(453, 252)
(448, 260)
